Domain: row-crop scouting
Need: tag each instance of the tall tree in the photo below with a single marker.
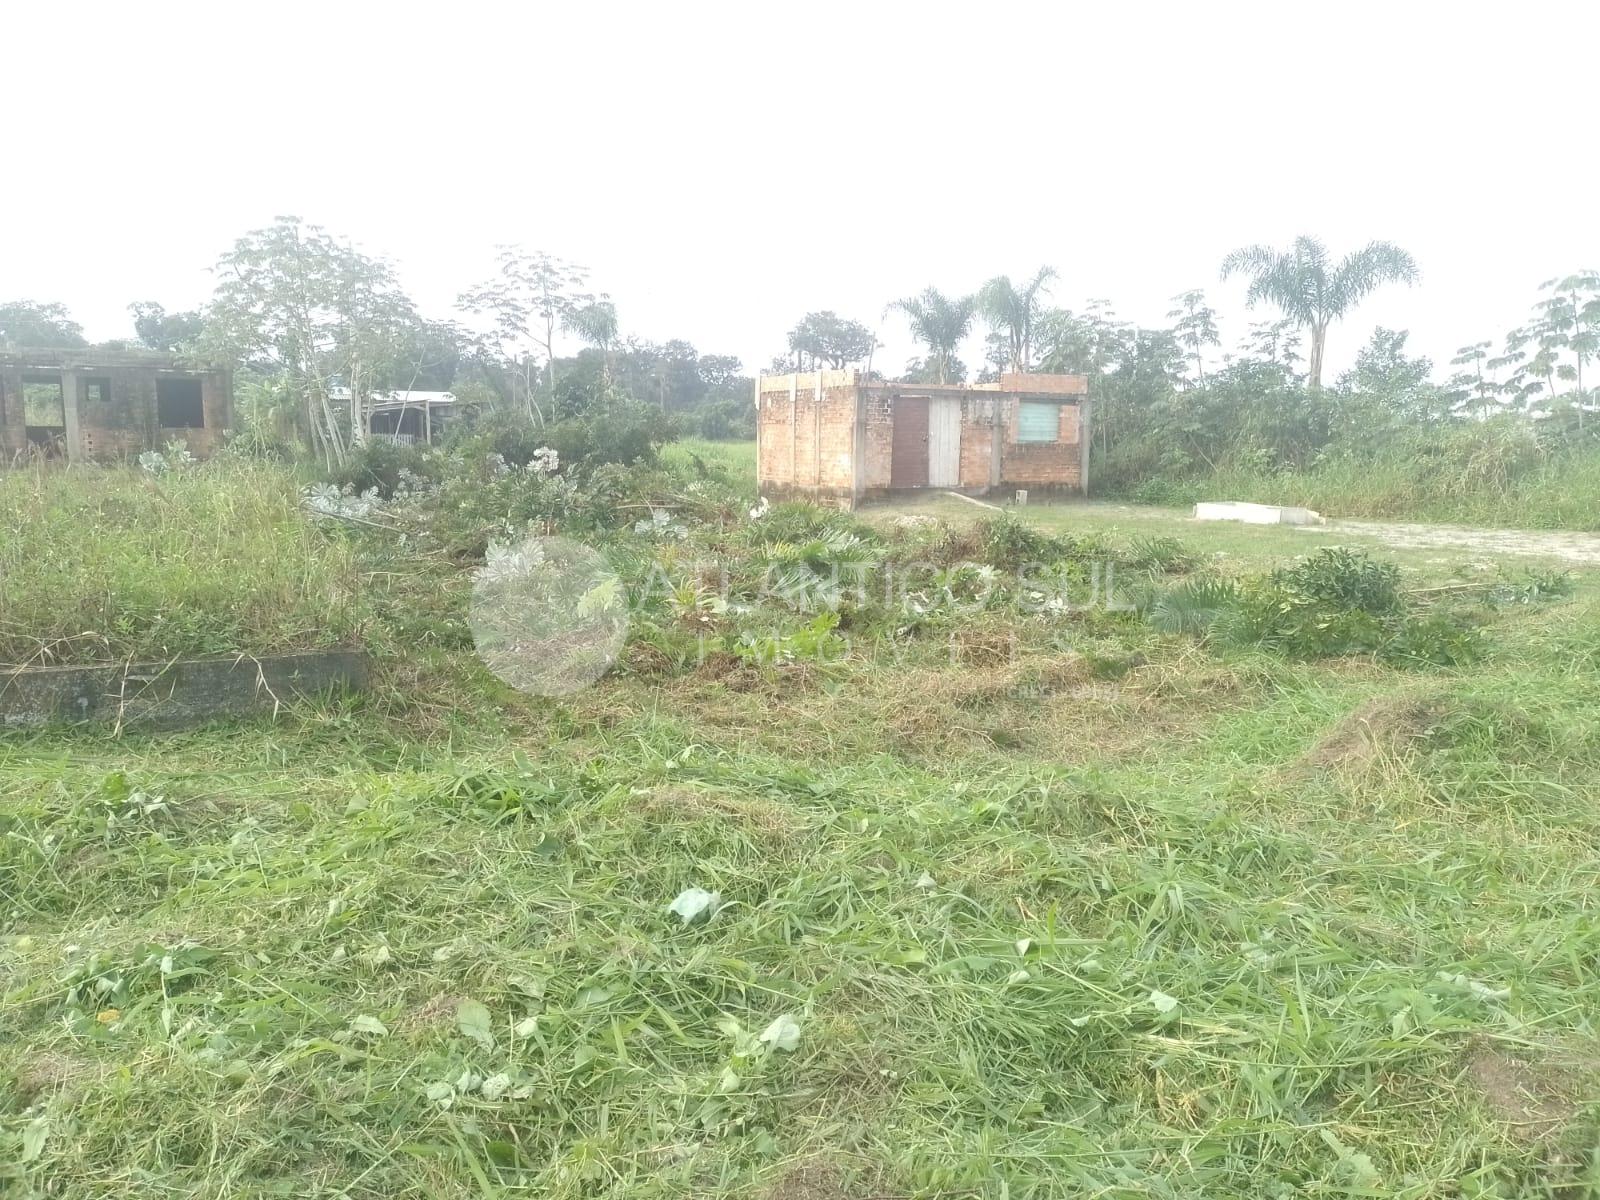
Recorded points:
(1014, 311)
(1275, 342)
(594, 322)
(300, 303)
(1314, 291)
(939, 322)
(1471, 383)
(531, 295)
(39, 326)
(1195, 327)
(826, 337)
(157, 329)
(1568, 321)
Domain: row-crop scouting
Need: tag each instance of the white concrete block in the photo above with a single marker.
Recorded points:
(1254, 514)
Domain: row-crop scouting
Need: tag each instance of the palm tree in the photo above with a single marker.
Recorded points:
(1314, 292)
(595, 322)
(939, 322)
(1012, 311)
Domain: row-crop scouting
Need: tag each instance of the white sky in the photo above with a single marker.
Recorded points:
(723, 169)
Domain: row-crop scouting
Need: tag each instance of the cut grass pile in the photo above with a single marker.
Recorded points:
(105, 565)
(1102, 913)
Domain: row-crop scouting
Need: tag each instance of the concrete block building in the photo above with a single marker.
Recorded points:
(109, 405)
(837, 437)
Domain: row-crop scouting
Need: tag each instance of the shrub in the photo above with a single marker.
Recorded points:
(622, 432)
(1436, 640)
(1338, 601)
(1192, 606)
(1342, 601)
(1169, 493)
(725, 421)
(384, 464)
(1158, 554)
(798, 521)
(1009, 542)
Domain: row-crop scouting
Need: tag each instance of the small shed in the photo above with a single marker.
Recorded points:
(409, 415)
(840, 437)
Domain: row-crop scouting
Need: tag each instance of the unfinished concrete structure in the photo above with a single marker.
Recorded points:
(109, 405)
(837, 437)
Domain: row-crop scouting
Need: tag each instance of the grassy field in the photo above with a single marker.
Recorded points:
(1562, 492)
(118, 565)
(1061, 908)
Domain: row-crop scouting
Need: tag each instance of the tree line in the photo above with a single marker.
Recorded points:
(310, 318)
(317, 326)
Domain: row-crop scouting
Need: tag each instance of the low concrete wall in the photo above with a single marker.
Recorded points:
(1254, 514)
(172, 695)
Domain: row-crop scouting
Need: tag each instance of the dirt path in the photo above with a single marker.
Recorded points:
(1569, 547)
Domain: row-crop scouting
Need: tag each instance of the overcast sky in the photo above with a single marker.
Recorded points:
(723, 169)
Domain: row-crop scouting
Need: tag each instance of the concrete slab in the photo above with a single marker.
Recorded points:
(1255, 514)
(173, 695)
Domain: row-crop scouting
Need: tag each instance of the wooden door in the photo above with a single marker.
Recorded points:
(908, 452)
(944, 442)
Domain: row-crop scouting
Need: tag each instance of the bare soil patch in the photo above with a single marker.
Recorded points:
(1535, 1100)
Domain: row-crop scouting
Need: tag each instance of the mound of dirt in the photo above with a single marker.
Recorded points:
(1383, 727)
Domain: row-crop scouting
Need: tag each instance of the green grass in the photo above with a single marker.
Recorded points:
(1563, 493)
(737, 457)
(1117, 916)
(98, 565)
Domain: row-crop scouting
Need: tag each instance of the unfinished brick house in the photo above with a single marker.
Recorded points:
(109, 405)
(837, 438)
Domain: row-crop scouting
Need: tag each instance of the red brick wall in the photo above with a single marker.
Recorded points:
(1042, 464)
(977, 441)
(879, 440)
(807, 446)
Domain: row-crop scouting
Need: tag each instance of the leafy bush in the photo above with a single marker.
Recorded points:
(1192, 606)
(1338, 601)
(802, 522)
(1162, 554)
(622, 432)
(1530, 586)
(814, 642)
(1436, 640)
(616, 430)
(1169, 493)
(724, 421)
(1342, 601)
(386, 465)
(1009, 542)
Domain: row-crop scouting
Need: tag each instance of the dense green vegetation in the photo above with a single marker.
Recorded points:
(1506, 439)
(208, 560)
(920, 852)
(975, 884)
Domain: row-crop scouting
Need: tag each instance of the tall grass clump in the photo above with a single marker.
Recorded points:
(114, 564)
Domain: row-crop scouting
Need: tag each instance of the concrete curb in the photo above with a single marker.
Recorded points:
(176, 694)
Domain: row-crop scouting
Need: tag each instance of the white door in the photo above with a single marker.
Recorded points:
(944, 442)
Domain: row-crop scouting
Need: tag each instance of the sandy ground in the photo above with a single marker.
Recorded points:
(1570, 547)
